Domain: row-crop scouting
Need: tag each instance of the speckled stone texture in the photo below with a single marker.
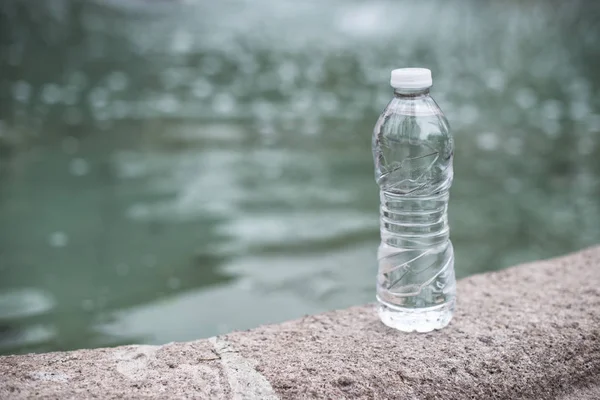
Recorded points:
(528, 332)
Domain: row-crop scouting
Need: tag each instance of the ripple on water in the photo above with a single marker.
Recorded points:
(579, 109)
(488, 141)
(23, 303)
(594, 123)
(526, 98)
(79, 167)
(117, 81)
(21, 91)
(58, 239)
(289, 229)
(51, 93)
(495, 79)
(12, 338)
(552, 109)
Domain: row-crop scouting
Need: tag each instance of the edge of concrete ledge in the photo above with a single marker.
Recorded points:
(531, 331)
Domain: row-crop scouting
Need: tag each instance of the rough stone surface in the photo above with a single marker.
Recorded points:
(529, 332)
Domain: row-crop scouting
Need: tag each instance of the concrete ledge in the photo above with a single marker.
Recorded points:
(531, 331)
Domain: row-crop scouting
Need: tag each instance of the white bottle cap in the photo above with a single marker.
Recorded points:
(411, 78)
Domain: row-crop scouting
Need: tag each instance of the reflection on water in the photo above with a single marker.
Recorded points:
(173, 170)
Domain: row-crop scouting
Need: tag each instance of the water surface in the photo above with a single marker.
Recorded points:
(175, 170)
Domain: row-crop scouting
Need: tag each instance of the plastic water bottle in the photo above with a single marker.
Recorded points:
(413, 151)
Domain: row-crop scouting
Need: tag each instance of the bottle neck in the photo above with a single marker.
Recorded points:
(411, 93)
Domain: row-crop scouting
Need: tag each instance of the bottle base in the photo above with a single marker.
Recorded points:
(416, 319)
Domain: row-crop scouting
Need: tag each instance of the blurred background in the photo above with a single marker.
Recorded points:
(172, 170)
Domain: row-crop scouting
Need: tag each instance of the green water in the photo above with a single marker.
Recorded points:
(171, 171)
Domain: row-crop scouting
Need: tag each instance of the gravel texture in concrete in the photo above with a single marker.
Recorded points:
(527, 332)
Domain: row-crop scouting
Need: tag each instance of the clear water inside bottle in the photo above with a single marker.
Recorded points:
(413, 152)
